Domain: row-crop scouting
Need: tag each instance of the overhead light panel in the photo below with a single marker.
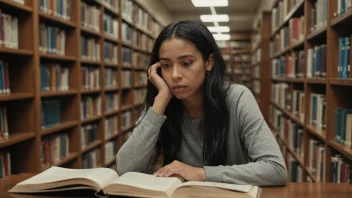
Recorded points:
(221, 37)
(209, 3)
(215, 18)
(219, 29)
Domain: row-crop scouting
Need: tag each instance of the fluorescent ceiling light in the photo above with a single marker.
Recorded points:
(209, 3)
(219, 29)
(213, 18)
(221, 36)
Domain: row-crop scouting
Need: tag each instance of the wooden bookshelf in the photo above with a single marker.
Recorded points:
(25, 102)
(337, 90)
(261, 63)
(237, 57)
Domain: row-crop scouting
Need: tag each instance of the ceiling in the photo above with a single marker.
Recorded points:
(241, 12)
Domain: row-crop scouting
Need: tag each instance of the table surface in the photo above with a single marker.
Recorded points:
(327, 190)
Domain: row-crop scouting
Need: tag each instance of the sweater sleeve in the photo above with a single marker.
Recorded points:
(266, 166)
(138, 151)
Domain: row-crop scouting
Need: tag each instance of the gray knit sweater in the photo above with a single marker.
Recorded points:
(253, 158)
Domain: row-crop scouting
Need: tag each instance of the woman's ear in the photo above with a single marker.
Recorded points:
(210, 62)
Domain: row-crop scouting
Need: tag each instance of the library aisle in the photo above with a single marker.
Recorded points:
(73, 76)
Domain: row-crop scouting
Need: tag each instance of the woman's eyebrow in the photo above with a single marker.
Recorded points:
(185, 56)
(179, 58)
(163, 58)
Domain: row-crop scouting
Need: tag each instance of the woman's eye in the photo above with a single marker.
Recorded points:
(187, 64)
(165, 65)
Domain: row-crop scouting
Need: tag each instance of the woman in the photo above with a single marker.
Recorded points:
(204, 128)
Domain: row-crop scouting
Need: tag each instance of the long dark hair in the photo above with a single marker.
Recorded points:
(215, 120)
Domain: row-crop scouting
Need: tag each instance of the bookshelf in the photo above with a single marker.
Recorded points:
(260, 62)
(236, 53)
(71, 88)
(310, 93)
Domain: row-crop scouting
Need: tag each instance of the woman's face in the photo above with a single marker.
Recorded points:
(183, 68)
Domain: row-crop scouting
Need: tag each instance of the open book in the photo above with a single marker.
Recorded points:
(107, 181)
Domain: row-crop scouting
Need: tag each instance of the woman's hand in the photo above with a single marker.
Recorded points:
(189, 173)
(164, 93)
(157, 81)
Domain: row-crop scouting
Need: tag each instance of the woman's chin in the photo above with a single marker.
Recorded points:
(180, 96)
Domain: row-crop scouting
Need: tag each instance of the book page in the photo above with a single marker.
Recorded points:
(102, 176)
(239, 188)
(146, 181)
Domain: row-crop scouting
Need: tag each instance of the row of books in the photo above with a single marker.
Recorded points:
(111, 27)
(58, 8)
(316, 62)
(240, 57)
(317, 111)
(112, 4)
(110, 52)
(289, 66)
(290, 99)
(126, 119)
(110, 151)
(90, 48)
(111, 124)
(280, 12)
(5, 164)
(139, 96)
(53, 149)
(90, 16)
(91, 159)
(288, 35)
(126, 78)
(89, 134)
(51, 113)
(90, 77)
(52, 39)
(133, 58)
(54, 77)
(233, 44)
(126, 56)
(5, 78)
(288, 130)
(256, 56)
(296, 29)
(112, 101)
(256, 72)
(4, 128)
(9, 30)
(140, 78)
(343, 126)
(134, 14)
(294, 169)
(127, 32)
(142, 41)
(91, 106)
(340, 169)
(110, 77)
(319, 15)
(256, 87)
(344, 65)
(317, 159)
(140, 60)
(343, 6)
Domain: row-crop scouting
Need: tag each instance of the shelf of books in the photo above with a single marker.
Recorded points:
(310, 93)
(236, 54)
(72, 81)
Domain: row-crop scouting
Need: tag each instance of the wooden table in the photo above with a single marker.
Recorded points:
(300, 190)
